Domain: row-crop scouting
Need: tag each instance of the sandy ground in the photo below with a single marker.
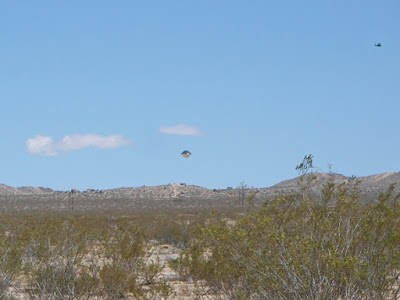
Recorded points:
(162, 254)
(183, 290)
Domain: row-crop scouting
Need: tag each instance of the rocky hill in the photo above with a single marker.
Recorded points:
(173, 196)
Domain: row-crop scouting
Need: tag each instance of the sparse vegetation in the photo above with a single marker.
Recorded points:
(79, 256)
(299, 247)
(326, 245)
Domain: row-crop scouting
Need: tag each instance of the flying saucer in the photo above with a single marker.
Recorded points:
(186, 154)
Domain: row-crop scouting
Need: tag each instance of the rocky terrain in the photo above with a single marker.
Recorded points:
(171, 196)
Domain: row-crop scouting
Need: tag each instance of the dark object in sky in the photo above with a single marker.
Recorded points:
(378, 45)
(186, 154)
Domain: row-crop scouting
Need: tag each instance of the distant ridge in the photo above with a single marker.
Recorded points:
(25, 190)
(171, 196)
(377, 181)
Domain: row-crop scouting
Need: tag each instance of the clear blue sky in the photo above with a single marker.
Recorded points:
(105, 94)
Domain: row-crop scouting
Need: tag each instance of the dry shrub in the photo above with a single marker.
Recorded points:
(303, 248)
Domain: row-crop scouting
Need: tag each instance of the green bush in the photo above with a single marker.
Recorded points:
(177, 232)
(123, 248)
(302, 248)
(10, 257)
(55, 253)
(77, 257)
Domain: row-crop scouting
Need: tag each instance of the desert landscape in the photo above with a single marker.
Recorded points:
(149, 150)
(179, 241)
(174, 196)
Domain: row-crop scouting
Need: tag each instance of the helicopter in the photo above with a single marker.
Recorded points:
(378, 45)
(186, 154)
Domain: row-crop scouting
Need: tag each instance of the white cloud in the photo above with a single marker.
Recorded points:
(41, 145)
(46, 145)
(181, 129)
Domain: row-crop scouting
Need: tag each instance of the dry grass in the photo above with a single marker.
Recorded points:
(99, 256)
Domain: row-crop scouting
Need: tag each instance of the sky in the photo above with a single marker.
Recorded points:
(107, 94)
